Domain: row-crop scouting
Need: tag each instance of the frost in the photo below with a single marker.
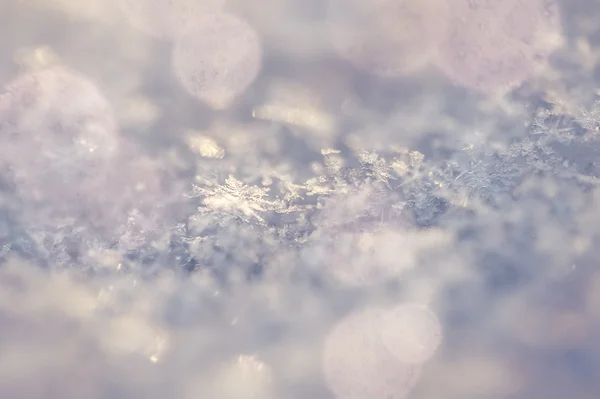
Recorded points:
(327, 228)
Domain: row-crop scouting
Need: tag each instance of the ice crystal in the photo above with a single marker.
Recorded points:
(590, 119)
(375, 168)
(480, 173)
(233, 197)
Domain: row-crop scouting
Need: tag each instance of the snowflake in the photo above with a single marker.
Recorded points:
(473, 173)
(552, 127)
(538, 155)
(590, 120)
(239, 199)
